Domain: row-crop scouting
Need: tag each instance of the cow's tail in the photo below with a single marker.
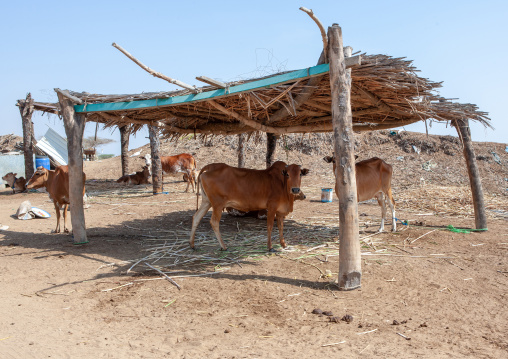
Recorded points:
(198, 182)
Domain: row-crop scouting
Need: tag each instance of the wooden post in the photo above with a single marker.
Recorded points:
(241, 150)
(153, 134)
(124, 148)
(271, 146)
(480, 216)
(350, 271)
(74, 127)
(26, 108)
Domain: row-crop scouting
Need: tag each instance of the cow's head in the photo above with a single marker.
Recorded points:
(293, 174)
(9, 177)
(331, 159)
(147, 158)
(38, 179)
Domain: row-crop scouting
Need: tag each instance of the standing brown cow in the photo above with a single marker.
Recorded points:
(373, 179)
(57, 184)
(272, 189)
(173, 165)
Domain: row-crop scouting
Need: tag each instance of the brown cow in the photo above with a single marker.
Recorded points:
(272, 189)
(262, 213)
(17, 184)
(140, 177)
(57, 184)
(173, 165)
(373, 179)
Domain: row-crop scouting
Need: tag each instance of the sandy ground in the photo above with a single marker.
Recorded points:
(426, 292)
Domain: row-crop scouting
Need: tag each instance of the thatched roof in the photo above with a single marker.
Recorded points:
(386, 93)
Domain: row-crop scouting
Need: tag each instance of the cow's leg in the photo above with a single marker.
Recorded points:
(391, 203)
(189, 181)
(66, 230)
(381, 202)
(198, 216)
(57, 209)
(280, 225)
(270, 216)
(215, 221)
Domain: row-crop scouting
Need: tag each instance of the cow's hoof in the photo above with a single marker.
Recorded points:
(272, 250)
(224, 249)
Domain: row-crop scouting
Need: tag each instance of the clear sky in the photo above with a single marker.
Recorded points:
(67, 45)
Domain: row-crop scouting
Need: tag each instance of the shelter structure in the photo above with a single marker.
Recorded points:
(342, 93)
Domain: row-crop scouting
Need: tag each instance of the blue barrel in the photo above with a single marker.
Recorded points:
(326, 194)
(42, 161)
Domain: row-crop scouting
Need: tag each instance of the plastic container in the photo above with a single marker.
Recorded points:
(42, 161)
(326, 194)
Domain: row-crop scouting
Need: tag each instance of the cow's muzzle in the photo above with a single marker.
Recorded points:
(295, 190)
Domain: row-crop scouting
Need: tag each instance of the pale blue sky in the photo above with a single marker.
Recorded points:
(64, 44)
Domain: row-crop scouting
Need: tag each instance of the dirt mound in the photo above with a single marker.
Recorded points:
(417, 159)
(10, 143)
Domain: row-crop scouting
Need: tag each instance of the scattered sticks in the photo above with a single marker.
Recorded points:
(165, 275)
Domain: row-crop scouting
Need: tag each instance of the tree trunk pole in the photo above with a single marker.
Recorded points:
(124, 147)
(153, 134)
(271, 146)
(26, 108)
(74, 127)
(241, 150)
(350, 272)
(480, 216)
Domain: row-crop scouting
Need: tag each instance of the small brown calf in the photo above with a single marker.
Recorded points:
(140, 177)
(17, 184)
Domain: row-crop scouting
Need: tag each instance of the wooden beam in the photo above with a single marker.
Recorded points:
(480, 216)
(157, 183)
(260, 127)
(321, 30)
(212, 82)
(271, 147)
(241, 150)
(155, 73)
(124, 148)
(26, 109)
(350, 272)
(74, 127)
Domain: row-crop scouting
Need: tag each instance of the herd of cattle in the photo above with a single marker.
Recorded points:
(266, 193)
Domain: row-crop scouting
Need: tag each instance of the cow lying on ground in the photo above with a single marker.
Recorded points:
(173, 165)
(140, 177)
(373, 179)
(17, 184)
(262, 213)
(57, 186)
(272, 189)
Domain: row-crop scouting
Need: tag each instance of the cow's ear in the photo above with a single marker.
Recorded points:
(15, 174)
(285, 173)
(328, 159)
(304, 171)
(356, 157)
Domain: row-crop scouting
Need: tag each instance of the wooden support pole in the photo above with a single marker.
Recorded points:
(153, 134)
(241, 150)
(350, 272)
(271, 146)
(74, 127)
(26, 108)
(124, 148)
(480, 216)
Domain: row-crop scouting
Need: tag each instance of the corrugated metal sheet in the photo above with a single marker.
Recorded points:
(55, 146)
